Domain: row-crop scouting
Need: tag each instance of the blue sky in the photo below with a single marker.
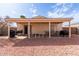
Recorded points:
(50, 10)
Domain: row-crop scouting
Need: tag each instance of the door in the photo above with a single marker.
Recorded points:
(25, 29)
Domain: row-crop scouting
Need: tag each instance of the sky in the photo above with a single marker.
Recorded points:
(50, 10)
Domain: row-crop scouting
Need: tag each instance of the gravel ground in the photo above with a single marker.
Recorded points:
(56, 46)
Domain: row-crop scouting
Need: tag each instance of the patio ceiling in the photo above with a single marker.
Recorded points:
(39, 20)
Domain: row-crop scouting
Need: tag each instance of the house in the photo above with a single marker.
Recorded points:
(74, 28)
(39, 25)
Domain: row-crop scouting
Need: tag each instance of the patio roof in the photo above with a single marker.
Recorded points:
(39, 20)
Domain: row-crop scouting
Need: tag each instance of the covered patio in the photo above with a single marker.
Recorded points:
(38, 26)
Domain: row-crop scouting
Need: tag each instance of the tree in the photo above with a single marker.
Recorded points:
(6, 17)
(22, 16)
(1, 19)
(3, 24)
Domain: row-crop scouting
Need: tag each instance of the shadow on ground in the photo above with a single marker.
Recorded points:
(59, 41)
(47, 42)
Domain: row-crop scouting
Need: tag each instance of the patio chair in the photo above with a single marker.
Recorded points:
(34, 35)
(46, 34)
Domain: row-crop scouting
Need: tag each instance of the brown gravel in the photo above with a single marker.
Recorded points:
(55, 46)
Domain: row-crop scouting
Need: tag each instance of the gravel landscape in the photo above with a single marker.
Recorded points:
(55, 46)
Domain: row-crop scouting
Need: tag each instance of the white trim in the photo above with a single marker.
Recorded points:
(8, 30)
(69, 30)
(49, 29)
(23, 29)
(28, 29)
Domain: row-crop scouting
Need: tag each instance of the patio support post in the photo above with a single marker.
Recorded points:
(69, 30)
(28, 29)
(49, 29)
(23, 29)
(8, 30)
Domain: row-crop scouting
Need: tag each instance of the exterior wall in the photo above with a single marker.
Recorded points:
(56, 27)
(41, 27)
(74, 30)
(20, 27)
(77, 26)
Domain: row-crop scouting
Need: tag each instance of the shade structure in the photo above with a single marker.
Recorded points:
(46, 20)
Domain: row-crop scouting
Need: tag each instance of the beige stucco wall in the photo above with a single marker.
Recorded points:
(20, 27)
(41, 27)
(56, 27)
(77, 26)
